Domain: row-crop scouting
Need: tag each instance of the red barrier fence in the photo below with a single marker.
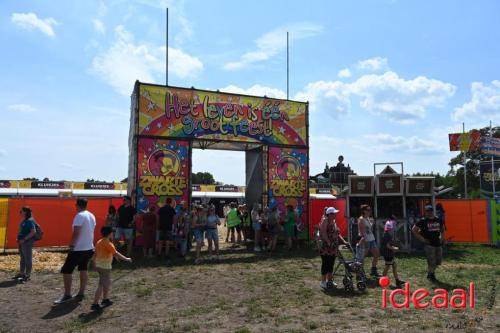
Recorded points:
(55, 217)
(317, 208)
(466, 220)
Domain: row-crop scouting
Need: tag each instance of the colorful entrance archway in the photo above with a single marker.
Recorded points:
(168, 122)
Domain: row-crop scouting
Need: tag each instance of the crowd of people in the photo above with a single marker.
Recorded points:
(168, 228)
(428, 230)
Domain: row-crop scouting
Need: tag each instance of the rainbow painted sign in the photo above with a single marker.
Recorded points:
(162, 172)
(195, 114)
(288, 177)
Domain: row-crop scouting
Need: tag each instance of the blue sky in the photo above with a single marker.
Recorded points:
(387, 80)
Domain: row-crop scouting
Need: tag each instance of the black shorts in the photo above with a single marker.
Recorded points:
(389, 259)
(77, 258)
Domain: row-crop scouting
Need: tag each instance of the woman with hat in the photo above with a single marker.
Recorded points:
(330, 237)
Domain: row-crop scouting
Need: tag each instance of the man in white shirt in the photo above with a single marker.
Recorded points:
(81, 250)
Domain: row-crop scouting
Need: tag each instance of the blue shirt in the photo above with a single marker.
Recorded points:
(212, 221)
(25, 228)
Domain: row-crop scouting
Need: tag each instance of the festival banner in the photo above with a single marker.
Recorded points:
(389, 185)
(488, 178)
(288, 176)
(465, 141)
(419, 186)
(162, 172)
(194, 114)
(361, 186)
(490, 146)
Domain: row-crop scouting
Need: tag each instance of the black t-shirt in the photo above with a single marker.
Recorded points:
(125, 216)
(430, 229)
(386, 240)
(166, 215)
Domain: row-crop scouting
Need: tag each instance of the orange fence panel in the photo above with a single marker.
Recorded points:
(466, 220)
(55, 216)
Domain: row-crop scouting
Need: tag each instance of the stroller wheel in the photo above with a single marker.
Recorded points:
(349, 288)
(347, 281)
(361, 286)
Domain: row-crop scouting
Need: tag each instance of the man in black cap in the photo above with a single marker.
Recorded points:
(428, 230)
(125, 227)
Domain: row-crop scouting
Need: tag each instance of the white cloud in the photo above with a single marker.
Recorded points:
(99, 26)
(484, 104)
(329, 97)
(400, 100)
(256, 90)
(344, 73)
(30, 21)
(404, 144)
(3, 152)
(126, 61)
(373, 64)
(23, 108)
(271, 43)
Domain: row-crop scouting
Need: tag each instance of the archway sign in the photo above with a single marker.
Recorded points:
(168, 122)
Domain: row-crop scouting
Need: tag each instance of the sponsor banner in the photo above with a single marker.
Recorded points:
(360, 186)
(465, 141)
(162, 172)
(196, 188)
(225, 188)
(489, 177)
(288, 177)
(99, 186)
(190, 113)
(490, 146)
(49, 185)
(5, 184)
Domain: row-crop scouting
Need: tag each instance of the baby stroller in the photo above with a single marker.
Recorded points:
(351, 268)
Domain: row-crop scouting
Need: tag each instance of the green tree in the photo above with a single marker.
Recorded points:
(202, 178)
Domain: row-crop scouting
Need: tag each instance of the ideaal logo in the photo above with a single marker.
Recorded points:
(440, 299)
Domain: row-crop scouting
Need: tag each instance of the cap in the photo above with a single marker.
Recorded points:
(331, 210)
(429, 207)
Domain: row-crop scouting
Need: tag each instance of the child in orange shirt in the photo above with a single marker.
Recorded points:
(103, 257)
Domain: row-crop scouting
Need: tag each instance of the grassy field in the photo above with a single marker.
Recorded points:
(248, 292)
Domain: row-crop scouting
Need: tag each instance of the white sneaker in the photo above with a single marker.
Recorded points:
(256, 249)
(322, 285)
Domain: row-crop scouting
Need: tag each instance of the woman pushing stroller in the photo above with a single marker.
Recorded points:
(328, 249)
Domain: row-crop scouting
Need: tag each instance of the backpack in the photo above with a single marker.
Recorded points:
(38, 232)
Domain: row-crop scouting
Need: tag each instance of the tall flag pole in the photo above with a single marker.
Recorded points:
(465, 164)
(287, 68)
(493, 173)
(166, 48)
